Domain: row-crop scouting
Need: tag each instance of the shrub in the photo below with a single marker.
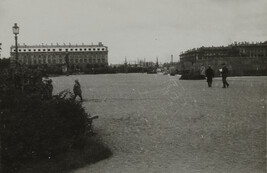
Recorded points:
(99, 70)
(36, 127)
(32, 127)
(93, 151)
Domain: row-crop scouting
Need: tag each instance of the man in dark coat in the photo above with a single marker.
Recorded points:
(77, 90)
(225, 73)
(209, 74)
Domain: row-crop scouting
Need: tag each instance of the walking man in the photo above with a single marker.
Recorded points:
(209, 74)
(225, 73)
(77, 90)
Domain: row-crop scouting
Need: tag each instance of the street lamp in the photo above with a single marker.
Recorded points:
(16, 32)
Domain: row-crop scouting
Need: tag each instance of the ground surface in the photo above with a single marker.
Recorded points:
(158, 123)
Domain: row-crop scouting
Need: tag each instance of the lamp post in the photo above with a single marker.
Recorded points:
(16, 32)
(0, 49)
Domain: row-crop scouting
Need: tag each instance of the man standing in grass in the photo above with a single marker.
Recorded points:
(77, 90)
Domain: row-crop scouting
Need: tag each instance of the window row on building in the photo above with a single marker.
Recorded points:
(35, 61)
(59, 49)
(70, 55)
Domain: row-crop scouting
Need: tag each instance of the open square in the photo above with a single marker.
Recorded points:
(158, 123)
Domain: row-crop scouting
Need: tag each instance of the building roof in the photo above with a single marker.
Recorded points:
(59, 46)
(231, 46)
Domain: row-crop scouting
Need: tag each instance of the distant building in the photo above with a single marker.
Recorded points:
(241, 58)
(75, 56)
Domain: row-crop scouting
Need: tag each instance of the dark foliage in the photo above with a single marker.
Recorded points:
(137, 70)
(39, 128)
(255, 72)
(4, 63)
(130, 69)
(34, 126)
(54, 70)
(99, 70)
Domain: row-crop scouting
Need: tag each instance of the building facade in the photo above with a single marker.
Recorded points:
(241, 58)
(75, 56)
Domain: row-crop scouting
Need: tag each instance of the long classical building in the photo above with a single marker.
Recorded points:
(76, 56)
(241, 58)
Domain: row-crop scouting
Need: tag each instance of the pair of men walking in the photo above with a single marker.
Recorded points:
(210, 74)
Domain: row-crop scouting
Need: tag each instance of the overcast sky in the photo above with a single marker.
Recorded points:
(135, 29)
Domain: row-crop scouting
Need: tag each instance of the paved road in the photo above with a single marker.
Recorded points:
(157, 123)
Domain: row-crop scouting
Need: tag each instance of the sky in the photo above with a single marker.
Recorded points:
(134, 29)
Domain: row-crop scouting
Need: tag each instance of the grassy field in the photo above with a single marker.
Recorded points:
(158, 123)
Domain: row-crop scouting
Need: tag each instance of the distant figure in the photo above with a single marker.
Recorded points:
(48, 89)
(209, 74)
(77, 90)
(225, 73)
